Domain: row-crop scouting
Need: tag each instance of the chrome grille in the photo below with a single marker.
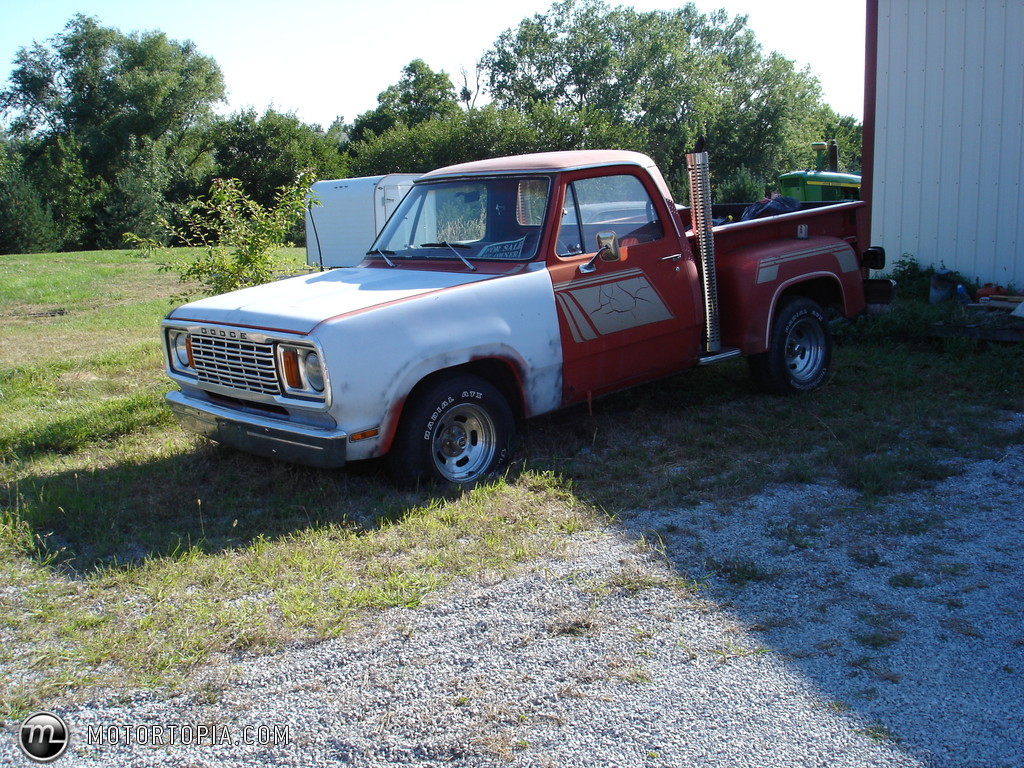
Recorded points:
(236, 364)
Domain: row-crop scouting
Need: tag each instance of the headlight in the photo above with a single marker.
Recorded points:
(182, 349)
(302, 370)
(314, 371)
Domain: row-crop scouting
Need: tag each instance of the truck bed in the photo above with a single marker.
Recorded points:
(834, 219)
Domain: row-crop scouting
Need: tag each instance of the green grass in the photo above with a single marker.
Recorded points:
(132, 552)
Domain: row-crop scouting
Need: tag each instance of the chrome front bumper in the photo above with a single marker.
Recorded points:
(262, 436)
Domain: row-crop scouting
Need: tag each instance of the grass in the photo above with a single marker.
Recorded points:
(131, 552)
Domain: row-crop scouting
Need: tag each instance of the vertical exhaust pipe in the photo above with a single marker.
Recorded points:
(833, 156)
(700, 214)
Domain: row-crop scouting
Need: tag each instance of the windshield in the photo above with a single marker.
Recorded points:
(476, 219)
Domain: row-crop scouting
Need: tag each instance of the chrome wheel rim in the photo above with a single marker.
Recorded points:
(805, 350)
(464, 444)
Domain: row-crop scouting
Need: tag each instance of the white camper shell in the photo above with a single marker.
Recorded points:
(350, 212)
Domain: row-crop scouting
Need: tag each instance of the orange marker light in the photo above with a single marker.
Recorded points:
(365, 434)
(292, 378)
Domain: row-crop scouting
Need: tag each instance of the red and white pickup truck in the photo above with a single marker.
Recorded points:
(507, 288)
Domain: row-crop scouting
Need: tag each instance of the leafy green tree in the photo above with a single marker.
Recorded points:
(741, 186)
(136, 199)
(671, 75)
(849, 135)
(57, 169)
(26, 224)
(489, 131)
(265, 153)
(420, 95)
(91, 98)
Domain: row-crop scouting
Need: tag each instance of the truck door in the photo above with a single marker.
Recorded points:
(633, 319)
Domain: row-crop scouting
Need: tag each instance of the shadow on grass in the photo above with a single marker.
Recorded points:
(213, 499)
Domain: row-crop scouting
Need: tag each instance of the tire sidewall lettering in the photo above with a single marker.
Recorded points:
(417, 453)
(436, 415)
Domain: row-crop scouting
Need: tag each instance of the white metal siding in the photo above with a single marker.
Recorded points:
(949, 135)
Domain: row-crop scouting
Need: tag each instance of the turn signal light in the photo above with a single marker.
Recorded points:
(292, 378)
(365, 434)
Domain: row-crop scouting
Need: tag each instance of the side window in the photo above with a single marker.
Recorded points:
(570, 237)
(618, 204)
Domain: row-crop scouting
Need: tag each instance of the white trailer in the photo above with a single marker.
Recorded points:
(347, 214)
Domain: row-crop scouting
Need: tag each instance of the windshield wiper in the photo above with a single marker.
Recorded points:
(453, 246)
(384, 254)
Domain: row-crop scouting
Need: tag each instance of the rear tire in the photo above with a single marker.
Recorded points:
(457, 430)
(799, 355)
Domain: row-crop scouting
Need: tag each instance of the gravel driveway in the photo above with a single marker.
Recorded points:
(823, 632)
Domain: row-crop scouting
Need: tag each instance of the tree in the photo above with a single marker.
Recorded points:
(489, 131)
(26, 224)
(671, 75)
(94, 98)
(265, 153)
(420, 95)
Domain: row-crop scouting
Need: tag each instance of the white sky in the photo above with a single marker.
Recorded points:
(326, 58)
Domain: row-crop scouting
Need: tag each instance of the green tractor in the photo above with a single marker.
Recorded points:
(822, 183)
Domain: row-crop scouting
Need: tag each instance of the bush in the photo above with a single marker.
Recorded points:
(911, 314)
(914, 281)
(235, 235)
(741, 186)
(26, 223)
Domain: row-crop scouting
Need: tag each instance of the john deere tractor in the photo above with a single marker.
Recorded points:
(824, 182)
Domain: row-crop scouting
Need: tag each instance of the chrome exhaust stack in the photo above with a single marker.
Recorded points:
(700, 215)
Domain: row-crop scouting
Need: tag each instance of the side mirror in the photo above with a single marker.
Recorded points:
(608, 246)
(607, 250)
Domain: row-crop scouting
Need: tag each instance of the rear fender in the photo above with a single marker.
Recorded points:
(753, 280)
(824, 288)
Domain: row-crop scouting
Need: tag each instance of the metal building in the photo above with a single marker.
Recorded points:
(944, 134)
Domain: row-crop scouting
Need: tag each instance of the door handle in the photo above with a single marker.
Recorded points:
(673, 257)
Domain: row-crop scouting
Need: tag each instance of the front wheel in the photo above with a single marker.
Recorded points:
(799, 352)
(457, 430)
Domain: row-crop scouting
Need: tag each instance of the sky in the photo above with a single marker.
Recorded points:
(322, 59)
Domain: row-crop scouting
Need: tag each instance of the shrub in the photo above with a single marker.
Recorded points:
(26, 224)
(741, 186)
(236, 236)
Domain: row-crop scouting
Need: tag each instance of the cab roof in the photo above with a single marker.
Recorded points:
(546, 162)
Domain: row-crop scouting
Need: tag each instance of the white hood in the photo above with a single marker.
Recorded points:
(298, 304)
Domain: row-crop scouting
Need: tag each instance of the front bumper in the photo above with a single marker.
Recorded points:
(261, 436)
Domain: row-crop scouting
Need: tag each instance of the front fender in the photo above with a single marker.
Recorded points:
(375, 359)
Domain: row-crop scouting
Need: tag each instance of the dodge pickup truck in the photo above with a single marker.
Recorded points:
(507, 288)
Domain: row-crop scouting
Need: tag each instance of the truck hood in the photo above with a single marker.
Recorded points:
(299, 304)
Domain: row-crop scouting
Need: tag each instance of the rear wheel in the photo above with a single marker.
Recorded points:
(457, 430)
(799, 353)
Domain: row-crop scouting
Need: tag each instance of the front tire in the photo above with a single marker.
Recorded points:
(457, 430)
(799, 355)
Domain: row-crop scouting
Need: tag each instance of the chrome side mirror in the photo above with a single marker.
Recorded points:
(607, 250)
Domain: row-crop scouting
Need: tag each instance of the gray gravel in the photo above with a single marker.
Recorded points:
(824, 633)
